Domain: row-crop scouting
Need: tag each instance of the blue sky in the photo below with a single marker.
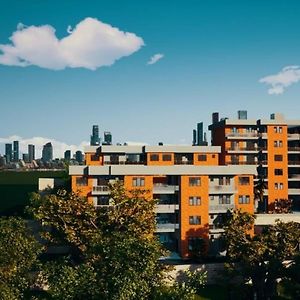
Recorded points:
(215, 53)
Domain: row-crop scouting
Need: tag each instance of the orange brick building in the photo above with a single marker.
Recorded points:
(194, 191)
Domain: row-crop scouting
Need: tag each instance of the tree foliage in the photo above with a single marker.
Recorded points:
(260, 258)
(114, 247)
(19, 251)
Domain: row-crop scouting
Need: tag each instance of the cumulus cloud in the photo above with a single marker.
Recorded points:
(280, 81)
(91, 45)
(155, 58)
(58, 147)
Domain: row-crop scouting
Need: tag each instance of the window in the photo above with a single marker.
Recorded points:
(224, 180)
(138, 181)
(244, 180)
(277, 144)
(278, 157)
(102, 200)
(278, 129)
(154, 157)
(167, 157)
(278, 172)
(244, 199)
(224, 199)
(194, 201)
(81, 181)
(213, 156)
(279, 186)
(194, 220)
(202, 157)
(194, 181)
(195, 243)
(94, 157)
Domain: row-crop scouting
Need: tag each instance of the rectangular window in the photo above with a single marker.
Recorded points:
(138, 181)
(81, 181)
(94, 157)
(244, 180)
(194, 181)
(224, 199)
(278, 144)
(154, 157)
(167, 157)
(278, 172)
(224, 180)
(278, 129)
(278, 157)
(244, 199)
(194, 201)
(195, 243)
(202, 157)
(194, 220)
(102, 200)
(279, 186)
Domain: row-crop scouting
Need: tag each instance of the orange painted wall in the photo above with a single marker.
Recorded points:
(187, 230)
(147, 187)
(160, 162)
(244, 190)
(272, 164)
(84, 191)
(90, 162)
(212, 159)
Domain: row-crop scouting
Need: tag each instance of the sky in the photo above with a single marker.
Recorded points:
(147, 71)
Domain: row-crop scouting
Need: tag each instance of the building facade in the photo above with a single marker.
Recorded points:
(272, 145)
(193, 191)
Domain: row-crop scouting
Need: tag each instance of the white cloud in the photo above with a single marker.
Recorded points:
(91, 45)
(58, 147)
(280, 81)
(155, 58)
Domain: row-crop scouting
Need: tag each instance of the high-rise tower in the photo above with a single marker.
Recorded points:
(95, 139)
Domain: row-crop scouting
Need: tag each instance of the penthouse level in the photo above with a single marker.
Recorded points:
(193, 191)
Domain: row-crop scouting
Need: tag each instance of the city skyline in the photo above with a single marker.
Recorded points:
(181, 57)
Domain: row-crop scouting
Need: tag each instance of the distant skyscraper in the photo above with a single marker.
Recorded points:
(31, 152)
(95, 139)
(107, 138)
(47, 154)
(67, 155)
(8, 153)
(26, 157)
(79, 156)
(16, 151)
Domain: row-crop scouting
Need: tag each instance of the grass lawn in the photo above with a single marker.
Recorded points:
(15, 188)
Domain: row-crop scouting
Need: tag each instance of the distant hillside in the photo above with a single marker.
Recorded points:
(16, 186)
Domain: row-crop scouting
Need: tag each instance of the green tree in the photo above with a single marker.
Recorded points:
(115, 245)
(19, 252)
(260, 259)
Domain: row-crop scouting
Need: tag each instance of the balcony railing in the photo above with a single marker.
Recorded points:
(166, 227)
(221, 207)
(160, 188)
(183, 162)
(293, 162)
(244, 149)
(242, 134)
(241, 162)
(293, 149)
(100, 190)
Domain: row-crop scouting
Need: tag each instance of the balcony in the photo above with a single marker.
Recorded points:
(166, 208)
(221, 208)
(100, 190)
(221, 189)
(294, 191)
(294, 177)
(183, 162)
(270, 219)
(294, 163)
(213, 228)
(234, 162)
(243, 149)
(244, 135)
(293, 136)
(166, 227)
(294, 149)
(160, 188)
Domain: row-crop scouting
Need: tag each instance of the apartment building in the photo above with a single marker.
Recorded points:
(273, 145)
(193, 190)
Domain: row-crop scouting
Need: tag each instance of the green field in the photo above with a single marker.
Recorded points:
(16, 186)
